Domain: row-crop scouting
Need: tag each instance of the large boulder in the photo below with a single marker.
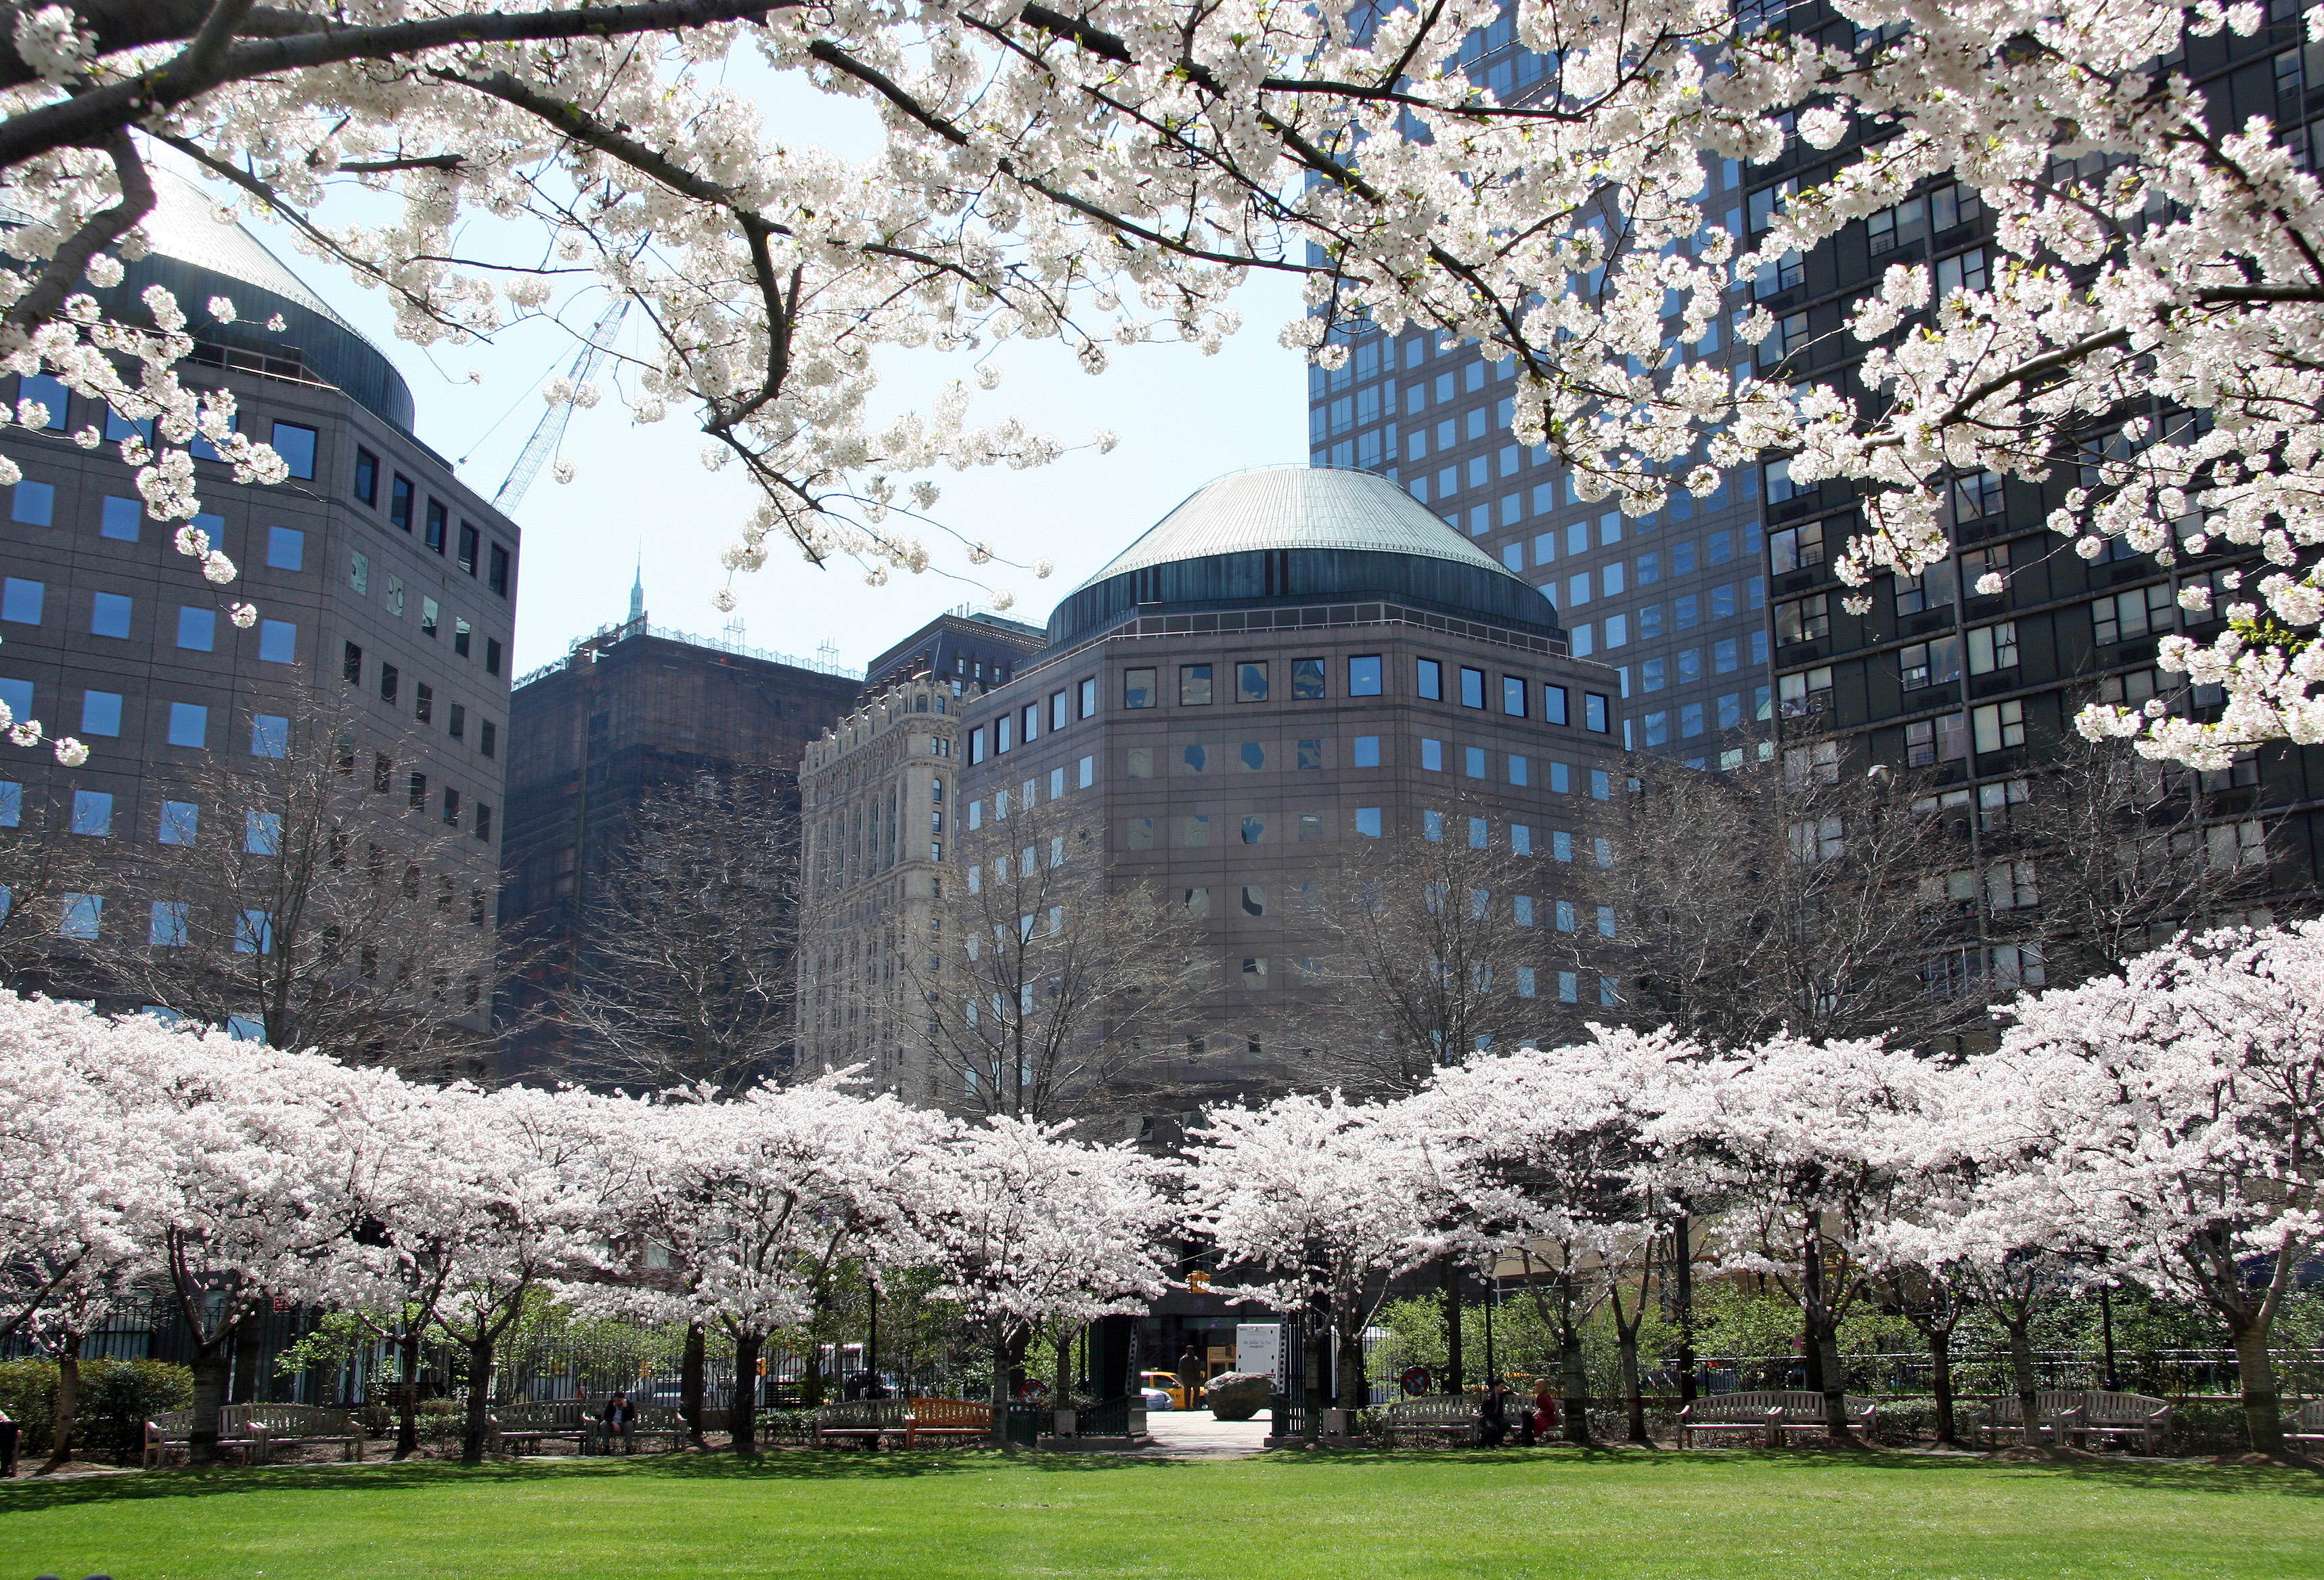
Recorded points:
(1237, 1396)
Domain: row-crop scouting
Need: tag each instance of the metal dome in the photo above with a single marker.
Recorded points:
(1298, 507)
(1294, 534)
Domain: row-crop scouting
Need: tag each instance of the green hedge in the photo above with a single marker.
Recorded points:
(115, 1399)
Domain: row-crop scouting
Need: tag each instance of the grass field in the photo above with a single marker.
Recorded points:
(1284, 1516)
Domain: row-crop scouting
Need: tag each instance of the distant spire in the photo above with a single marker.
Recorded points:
(638, 587)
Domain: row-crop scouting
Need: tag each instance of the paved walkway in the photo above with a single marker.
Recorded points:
(1198, 1435)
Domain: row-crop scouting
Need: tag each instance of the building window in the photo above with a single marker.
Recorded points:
(81, 918)
(181, 821)
(118, 519)
(269, 736)
(254, 933)
(92, 814)
(1805, 619)
(1930, 663)
(261, 833)
(976, 746)
(286, 548)
(1032, 724)
(399, 501)
(1795, 548)
(1058, 715)
(496, 576)
(1998, 725)
(1306, 679)
(190, 724)
(21, 600)
(50, 395)
(1473, 761)
(1432, 827)
(351, 665)
(35, 503)
(278, 641)
(451, 807)
(100, 713)
(366, 476)
(1368, 752)
(1364, 675)
(415, 791)
(1554, 705)
(359, 571)
(1088, 768)
(1367, 822)
(1917, 594)
(1194, 685)
(1596, 712)
(491, 655)
(388, 676)
(430, 615)
(1088, 698)
(459, 724)
(1432, 755)
(296, 445)
(1993, 647)
(1138, 689)
(469, 540)
(1480, 833)
(1927, 742)
(165, 927)
(1430, 675)
(108, 614)
(1513, 697)
(1251, 682)
(1003, 734)
(461, 631)
(2137, 612)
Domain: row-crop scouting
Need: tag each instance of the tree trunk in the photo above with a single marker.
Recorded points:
(1682, 1305)
(1354, 1391)
(2021, 1372)
(742, 1403)
(1001, 1394)
(1633, 1397)
(2255, 1372)
(67, 1403)
(1449, 1278)
(1940, 1383)
(210, 1364)
(1835, 1388)
(690, 1368)
(480, 1402)
(407, 1399)
(1061, 1396)
(1576, 1372)
(248, 1334)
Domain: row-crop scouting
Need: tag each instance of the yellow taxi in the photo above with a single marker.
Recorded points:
(1154, 1383)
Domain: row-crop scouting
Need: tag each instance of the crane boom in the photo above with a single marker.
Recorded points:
(550, 431)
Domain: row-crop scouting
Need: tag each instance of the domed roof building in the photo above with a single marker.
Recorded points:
(1255, 538)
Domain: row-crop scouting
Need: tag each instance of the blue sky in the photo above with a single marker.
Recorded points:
(1183, 418)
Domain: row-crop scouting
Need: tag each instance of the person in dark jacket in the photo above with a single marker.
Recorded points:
(621, 1416)
(1493, 1416)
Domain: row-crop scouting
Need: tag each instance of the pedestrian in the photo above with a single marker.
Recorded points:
(1545, 1410)
(621, 1416)
(1493, 1416)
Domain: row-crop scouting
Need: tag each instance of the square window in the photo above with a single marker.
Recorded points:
(1473, 761)
(1195, 830)
(1432, 755)
(1479, 834)
(1306, 679)
(1601, 785)
(1368, 752)
(1251, 682)
(197, 628)
(1310, 756)
(1310, 827)
(1139, 764)
(166, 930)
(92, 814)
(1254, 829)
(254, 933)
(1432, 827)
(1141, 834)
(22, 600)
(261, 833)
(1520, 770)
(1138, 689)
(35, 503)
(1194, 685)
(181, 821)
(1430, 677)
(1364, 676)
(100, 713)
(1472, 687)
(1513, 697)
(190, 724)
(286, 548)
(269, 736)
(1367, 822)
(1196, 757)
(108, 614)
(119, 518)
(83, 915)
(296, 445)
(278, 641)
(50, 393)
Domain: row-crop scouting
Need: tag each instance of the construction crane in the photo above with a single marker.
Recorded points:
(546, 436)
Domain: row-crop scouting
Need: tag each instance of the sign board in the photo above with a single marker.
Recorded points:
(1259, 1347)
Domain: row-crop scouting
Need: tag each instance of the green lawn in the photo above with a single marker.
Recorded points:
(1285, 1517)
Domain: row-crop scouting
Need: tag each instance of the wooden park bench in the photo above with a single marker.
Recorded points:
(1449, 1416)
(945, 1417)
(2308, 1426)
(2067, 1414)
(863, 1420)
(653, 1421)
(519, 1428)
(257, 1429)
(1770, 1412)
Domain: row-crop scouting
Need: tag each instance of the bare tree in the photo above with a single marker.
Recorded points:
(1050, 992)
(2116, 850)
(1785, 893)
(682, 970)
(317, 895)
(43, 860)
(1439, 940)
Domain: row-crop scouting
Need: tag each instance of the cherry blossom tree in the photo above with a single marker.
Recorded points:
(2172, 1117)
(1026, 1228)
(1321, 1200)
(1808, 1139)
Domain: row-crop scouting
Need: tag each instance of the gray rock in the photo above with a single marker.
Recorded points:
(1238, 1395)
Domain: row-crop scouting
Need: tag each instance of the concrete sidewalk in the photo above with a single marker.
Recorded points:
(1200, 1435)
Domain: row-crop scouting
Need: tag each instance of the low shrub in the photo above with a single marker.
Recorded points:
(116, 1398)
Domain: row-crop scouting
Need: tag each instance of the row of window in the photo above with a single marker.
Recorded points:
(24, 602)
(295, 442)
(1685, 666)
(1252, 680)
(432, 619)
(1694, 717)
(1686, 612)
(434, 534)
(423, 700)
(180, 822)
